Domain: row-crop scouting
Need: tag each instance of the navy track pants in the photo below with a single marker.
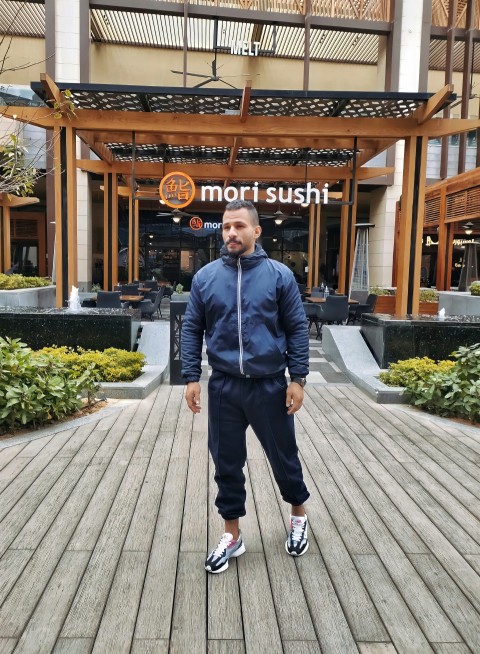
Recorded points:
(234, 403)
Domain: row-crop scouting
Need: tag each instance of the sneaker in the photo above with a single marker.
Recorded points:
(297, 541)
(217, 560)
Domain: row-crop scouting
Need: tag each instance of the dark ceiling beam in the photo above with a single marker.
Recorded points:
(460, 33)
(244, 15)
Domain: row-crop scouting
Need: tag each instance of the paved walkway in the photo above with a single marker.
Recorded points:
(104, 529)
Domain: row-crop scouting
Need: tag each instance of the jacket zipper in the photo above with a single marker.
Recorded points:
(239, 315)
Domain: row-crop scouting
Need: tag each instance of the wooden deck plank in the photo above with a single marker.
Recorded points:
(433, 537)
(331, 626)
(376, 648)
(258, 609)
(342, 515)
(474, 561)
(291, 609)
(86, 610)
(301, 647)
(438, 515)
(189, 633)
(405, 633)
(12, 564)
(465, 618)
(150, 646)
(73, 646)
(18, 606)
(423, 605)
(117, 626)
(154, 615)
(159, 403)
(9, 453)
(359, 609)
(451, 648)
(7, 645)
(43, 627)
(226, 647)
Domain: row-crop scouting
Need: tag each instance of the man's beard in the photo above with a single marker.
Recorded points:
(236, 253)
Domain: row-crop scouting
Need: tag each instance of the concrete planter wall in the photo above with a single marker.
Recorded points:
(459, 304)
(386, 304)
(43, 297)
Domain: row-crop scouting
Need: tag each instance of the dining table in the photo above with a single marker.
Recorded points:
(321, 300)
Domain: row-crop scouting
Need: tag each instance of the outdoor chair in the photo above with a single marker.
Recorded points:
(360, 296)
(151, 283)
(109, 300)
(311, 315)
(130, 289)
(148, 308)
(356, 311)
(333, 311)
(152, 296)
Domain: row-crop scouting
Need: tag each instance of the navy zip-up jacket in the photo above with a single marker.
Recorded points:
(251, 312)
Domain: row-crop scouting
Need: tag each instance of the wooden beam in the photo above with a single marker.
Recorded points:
(72, 208)
(100, 149)
(433, 105)
(15, 201)
(6, 237)
(59, 280)
(311, 251)
(59, 101)
(342, 256)
(255, 126)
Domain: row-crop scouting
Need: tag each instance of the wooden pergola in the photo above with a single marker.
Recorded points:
(232, 136)
(8, 202)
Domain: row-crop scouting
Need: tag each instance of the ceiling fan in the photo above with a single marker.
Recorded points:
(176, 215)
(278, 216)
(214, 77)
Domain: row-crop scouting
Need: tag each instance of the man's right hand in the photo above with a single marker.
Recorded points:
(192, 395)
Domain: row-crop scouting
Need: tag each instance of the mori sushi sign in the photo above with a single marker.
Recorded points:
(177, 190)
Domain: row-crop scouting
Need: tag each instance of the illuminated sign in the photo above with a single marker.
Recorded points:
(196, 222)
(307, 194)
(456, 241)
(177, 190)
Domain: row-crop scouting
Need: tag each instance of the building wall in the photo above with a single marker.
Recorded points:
(23, 52)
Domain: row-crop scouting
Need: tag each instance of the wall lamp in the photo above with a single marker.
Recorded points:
(278, 221)
(468, 227)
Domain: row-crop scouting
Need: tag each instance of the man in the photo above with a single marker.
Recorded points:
(249, 308)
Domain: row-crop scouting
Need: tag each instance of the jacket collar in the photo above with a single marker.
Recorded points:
(250, 261)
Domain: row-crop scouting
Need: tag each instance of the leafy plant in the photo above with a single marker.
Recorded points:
(379, 290)
(111, 365)
(428, 295)
(411, 371)
(96, 288)
(448, 390)
(36, 389)
(15, 282)
(475, 288)
(179, 288)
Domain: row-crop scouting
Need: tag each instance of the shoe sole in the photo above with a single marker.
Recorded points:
(294, 553)
(241, 550)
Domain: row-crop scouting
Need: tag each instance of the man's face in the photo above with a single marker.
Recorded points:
(239, 233)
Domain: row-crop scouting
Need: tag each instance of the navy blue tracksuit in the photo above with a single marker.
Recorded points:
(252, 316)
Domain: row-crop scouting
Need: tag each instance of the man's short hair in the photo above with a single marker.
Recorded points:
(235, 205)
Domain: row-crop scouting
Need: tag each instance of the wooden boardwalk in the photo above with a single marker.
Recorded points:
(104, 530)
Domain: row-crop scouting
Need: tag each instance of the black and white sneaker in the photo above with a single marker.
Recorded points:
(297, 541)
(217, 560)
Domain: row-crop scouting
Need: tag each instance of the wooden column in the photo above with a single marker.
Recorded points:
(449, 255)
(467, 82)
(136, 241)
(342, 256)
(411, 226)
(110, 231)
(6, 255)
(311, 250)
(131, 216)
(452, 19)
(316, 268)
(441, 280)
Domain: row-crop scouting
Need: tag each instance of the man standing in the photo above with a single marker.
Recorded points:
(249, 308)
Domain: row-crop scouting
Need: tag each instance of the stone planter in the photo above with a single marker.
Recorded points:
(42, 297)
(459, 304)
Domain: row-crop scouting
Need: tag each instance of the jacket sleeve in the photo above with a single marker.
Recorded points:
(193, 328)
(292, 315)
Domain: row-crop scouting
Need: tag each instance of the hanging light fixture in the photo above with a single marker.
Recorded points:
(468, 227)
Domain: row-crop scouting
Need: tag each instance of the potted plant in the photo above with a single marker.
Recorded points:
(475, 288)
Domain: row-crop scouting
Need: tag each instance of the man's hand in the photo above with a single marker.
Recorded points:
(192, 396)
(294, 397)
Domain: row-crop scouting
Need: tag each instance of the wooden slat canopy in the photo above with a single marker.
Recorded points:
(239, 136)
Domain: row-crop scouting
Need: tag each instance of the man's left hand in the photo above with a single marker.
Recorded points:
(294, 397)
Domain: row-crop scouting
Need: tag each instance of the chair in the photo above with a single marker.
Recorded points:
(360, 296)
(152, 296)
(148, 308)
(311, 315)
(333, 310)
(109, 300)
(355, 312)
(130, 289)
(151, 283)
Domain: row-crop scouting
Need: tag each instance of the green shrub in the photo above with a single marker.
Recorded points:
(454, 392)
(111, 365)
(379, 290)
(411, 371)
(14, 282)
(428, 295)
(475, 288)
(36, 389)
